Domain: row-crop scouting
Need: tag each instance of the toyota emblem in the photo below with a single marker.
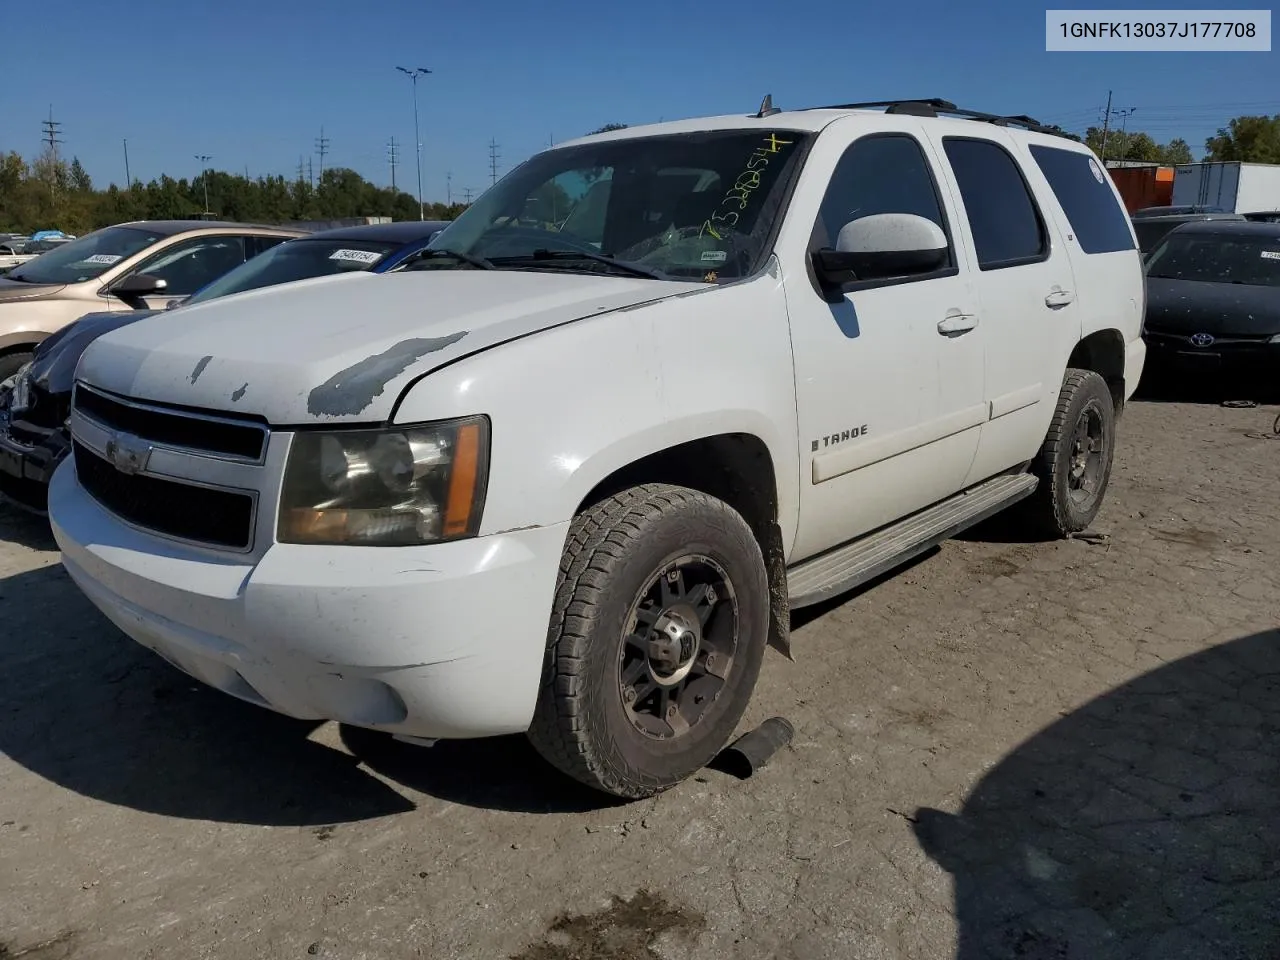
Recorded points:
(1202, 339)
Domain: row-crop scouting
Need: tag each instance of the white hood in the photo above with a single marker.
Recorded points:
(342, 348)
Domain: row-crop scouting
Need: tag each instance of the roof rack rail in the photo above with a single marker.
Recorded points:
(936, 106)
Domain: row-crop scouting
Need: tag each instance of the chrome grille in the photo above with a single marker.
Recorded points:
(182, 474)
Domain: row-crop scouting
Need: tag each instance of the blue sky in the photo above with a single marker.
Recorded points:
(252, 84)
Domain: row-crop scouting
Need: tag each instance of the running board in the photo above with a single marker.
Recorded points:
(840, 570)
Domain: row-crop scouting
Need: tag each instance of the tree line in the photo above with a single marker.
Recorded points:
(51, 193)
(54, 194)
(1251, 139)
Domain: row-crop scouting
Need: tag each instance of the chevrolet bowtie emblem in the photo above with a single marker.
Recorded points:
(127, 453)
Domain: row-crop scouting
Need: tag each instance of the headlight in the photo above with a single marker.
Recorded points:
(20, 389)
(397, 486)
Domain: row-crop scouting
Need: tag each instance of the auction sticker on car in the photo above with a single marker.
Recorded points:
(1096, 170)
(102, 258)
(355, 256)
(1271, 254)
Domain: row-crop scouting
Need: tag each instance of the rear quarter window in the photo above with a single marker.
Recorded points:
(1081, 186)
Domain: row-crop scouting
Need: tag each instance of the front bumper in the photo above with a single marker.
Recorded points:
(27, 467)
(1135, 360)
(445, 641)
(1226, 353)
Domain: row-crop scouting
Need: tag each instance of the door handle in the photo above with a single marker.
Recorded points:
(957, 323)
(1059, 298)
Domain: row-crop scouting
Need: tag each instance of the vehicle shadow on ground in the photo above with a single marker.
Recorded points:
(496, 773)
(83, 706)
(1210, 388)
(28, 529)
(1144, 824)
(806, 615)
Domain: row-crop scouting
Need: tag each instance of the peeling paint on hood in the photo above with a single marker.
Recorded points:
(350, 391)
(343, 348)
(204, 362)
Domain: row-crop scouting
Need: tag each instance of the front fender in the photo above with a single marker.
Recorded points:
(572, 405)
(19, 338)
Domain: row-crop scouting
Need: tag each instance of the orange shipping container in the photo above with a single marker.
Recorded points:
(1143, 186)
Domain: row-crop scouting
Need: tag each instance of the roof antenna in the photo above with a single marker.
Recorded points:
(767, 109)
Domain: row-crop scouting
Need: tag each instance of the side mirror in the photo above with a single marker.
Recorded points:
(881, 246)
(139, 285)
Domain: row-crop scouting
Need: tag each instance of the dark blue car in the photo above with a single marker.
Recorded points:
(37, 401)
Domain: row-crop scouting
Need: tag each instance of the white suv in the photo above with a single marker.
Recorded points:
(568, 472)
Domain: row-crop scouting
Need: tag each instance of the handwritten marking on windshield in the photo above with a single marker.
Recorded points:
(743, 189)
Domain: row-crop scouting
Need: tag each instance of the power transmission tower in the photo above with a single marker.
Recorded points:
(493, 161)
(448, 187)
(391, 157)
(50, 135)
(322, 147)
(128, 180)
(302, 169)
(311, 174)
(467, 193)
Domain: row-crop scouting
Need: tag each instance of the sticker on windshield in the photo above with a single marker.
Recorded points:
(355, 256)
(1271, 254)
(715, 256)
(103, 258)
(1096, 170)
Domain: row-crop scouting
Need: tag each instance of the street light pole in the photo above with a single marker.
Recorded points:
(204, 159)
(417, 138)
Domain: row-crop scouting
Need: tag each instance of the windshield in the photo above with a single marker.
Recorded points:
(1254, 261)
(86, 258)
(297, 260)
(690, 206)
(1151, 232)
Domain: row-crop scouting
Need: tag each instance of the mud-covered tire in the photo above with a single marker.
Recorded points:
(584, 724)
(1073, 482)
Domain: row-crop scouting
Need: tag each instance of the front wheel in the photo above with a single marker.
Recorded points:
(658, 631)
(1074, 465)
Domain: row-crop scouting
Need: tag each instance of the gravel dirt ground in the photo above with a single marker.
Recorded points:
(1009, 749)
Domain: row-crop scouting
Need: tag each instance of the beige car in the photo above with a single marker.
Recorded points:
(132, 266)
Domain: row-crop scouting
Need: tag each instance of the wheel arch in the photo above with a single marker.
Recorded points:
(21, 340)
(1103, 352)
(735, 466)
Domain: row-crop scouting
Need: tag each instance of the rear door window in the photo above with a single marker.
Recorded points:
(1082, 188)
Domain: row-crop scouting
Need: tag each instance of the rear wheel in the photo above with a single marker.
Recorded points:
(1074, 465)
(656, 639)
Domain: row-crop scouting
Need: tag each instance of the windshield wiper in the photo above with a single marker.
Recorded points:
(634, 269)
(421, 255)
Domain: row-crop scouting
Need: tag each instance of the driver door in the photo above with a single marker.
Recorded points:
(889, 373)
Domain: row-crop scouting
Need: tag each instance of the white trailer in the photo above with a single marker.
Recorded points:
(1236, 187)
